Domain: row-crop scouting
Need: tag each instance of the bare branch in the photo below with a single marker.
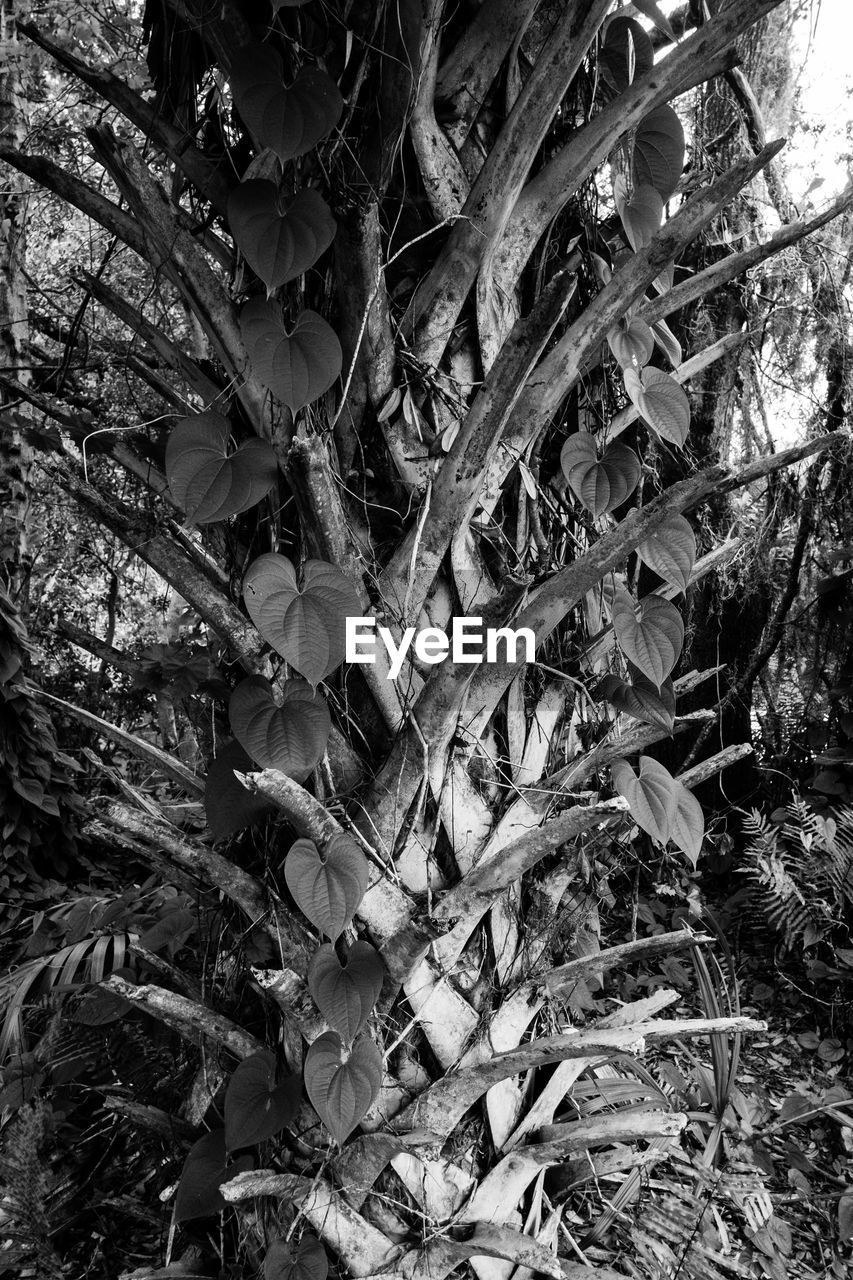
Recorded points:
(167, 764)
(405, 582)
(189, 1018)
(203, 173)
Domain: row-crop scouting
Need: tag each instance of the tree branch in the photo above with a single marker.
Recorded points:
(436, 305)
(207, 177)
(146, 751)
(167, 558)
(405, 582)
(168, 351)
(190, 1019)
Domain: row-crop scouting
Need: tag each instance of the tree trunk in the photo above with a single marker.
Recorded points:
(15, 452)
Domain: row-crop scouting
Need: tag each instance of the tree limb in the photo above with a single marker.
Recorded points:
(189, 1018)
(207, 177)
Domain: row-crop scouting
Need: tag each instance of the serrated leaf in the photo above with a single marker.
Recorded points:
(345, 994)
(688, 824)
(659, 151)
(228, 806)
(604, 483)
(327, 887)
(662, 402)
(291, 737)
(306, 624)
(651, 638)
(256, 1108)
(204, 1171)
(641, 699)
(632, 343)
(290, 121)
(307, 1261)
(297, 365)
(670, 551)
(641, 214)
(651, 795)
(626, 53)
(207, 482)
(342, 1085)
(279, 238)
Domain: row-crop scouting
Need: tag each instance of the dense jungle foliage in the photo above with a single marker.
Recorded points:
(487, 962)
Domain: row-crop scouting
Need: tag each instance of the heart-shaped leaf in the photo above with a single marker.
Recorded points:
(307, 624)
(659, 151)
(204, 1171)
(641, 213)
(228, 806)
(688, 824)
(289, 121)
(652, 796)
(307, 1261)
(345, 994)
(670, 551)
(297, 366)
(641, 699)
(256, 1108)
(327, 887)
(206, 481)
(342, 1085)
(626, 53)
(279, 239)
(601, 484)
(632, 343)
(661, 401)
(291, 737)
(651, 639)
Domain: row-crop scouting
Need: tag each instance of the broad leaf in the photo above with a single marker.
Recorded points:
(626, 53)
(305, 1261)
(289, 121)
(279, 238)
(228, 806)
(641, 699)
(632, 343)
(688, 824)
(170, 932)
(342, 1084)
(845, 1217)
(670, 551)
(327, 887)
(297, 366)
(306, 624)
(204, 1171)
(652, 796)
(668, 343)
(604, 483)
(206, 481)
(641, 214)
(661, 401)
(659, 151)
(291, 737)
(345, 994)
(256, 1108)
(651, 638)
